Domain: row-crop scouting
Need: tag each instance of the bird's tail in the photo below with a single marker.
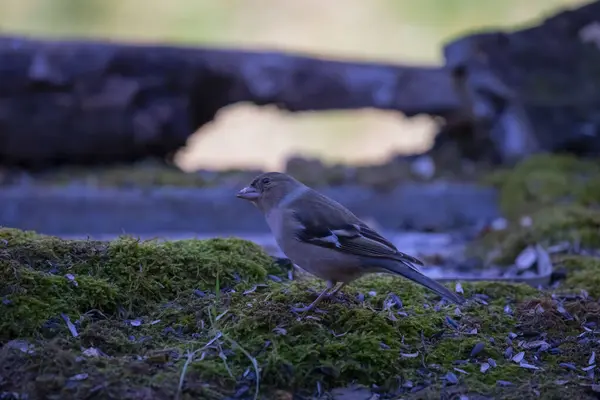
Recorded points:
(408, 271)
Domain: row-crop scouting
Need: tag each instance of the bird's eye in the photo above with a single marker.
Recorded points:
(265, 181)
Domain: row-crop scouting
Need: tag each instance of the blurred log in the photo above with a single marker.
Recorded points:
(85, 102)
(536, 89)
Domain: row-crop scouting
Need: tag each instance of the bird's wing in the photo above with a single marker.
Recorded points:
(330, 225)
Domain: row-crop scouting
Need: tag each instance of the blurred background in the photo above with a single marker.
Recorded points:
(402, 31)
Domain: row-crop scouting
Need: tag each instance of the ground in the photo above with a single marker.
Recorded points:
(212, 319)
(313, 172)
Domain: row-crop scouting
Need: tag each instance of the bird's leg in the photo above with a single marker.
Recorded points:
(332, 285)
(323, 294)
(334, 292)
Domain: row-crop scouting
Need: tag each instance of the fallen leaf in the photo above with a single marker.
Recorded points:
(541, 344)
(458, 288)
(503, 383)
(570, 366)
(451, 322)
(526, 258)
(280, 331)
(451, 378)
(391, 301)
(519, 357)
(527, 366)
(353, 392)
(478, 348)
(70, 325)
(21, 345)
(92, 352)
(79, 377)
(71, 278)
(410, 355)
(544, 263)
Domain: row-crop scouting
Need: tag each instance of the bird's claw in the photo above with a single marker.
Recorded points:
(334, 296)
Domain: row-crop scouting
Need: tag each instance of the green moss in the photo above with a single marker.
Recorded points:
(500, 291)
(577, 263)
(135, 302)
(311, 350)
(582, 272)
(560, 194)
(44, 276)
(37, 296)
(549, 226)
(547, 180)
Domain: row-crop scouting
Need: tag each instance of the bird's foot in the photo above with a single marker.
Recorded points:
(332, 296)
(324, 295)
(335, 292)
(311, 305)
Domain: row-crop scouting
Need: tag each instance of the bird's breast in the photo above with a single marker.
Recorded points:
(276, 223)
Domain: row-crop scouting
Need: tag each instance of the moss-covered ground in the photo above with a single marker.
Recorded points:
(554, 201)
(548, 200)
(211, 319)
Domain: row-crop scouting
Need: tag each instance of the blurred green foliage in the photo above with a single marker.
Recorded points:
(233, 21)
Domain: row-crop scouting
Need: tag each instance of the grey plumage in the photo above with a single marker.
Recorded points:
(326, 239)
(410, 272)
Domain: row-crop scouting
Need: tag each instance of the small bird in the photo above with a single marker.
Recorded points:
(326, 239)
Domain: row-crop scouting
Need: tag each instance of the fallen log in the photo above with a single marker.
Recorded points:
(535, 89)
(90, 102)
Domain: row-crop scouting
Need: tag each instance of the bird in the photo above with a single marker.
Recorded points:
(326, 239)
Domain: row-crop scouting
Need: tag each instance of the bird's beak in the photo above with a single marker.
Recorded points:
(248, 193)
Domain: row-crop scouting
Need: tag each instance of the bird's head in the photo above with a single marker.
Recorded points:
(268, 189)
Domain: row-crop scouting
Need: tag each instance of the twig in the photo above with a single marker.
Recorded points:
(190, 358)
(223, 357)
(252, 360)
